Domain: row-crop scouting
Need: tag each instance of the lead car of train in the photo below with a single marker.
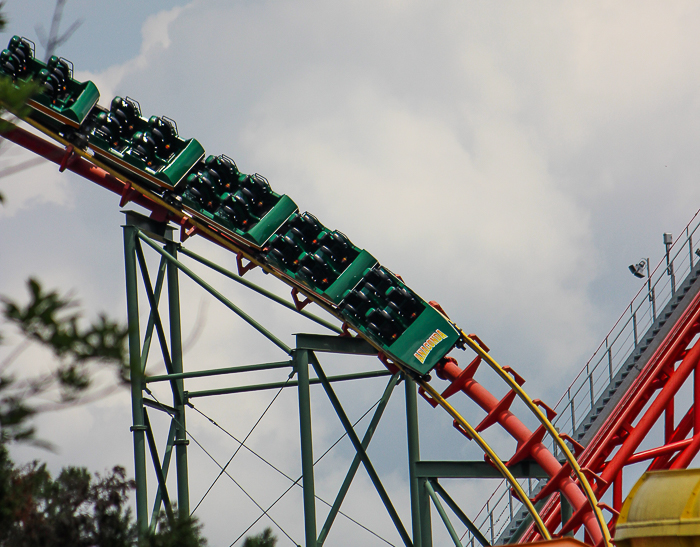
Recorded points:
(265, 225)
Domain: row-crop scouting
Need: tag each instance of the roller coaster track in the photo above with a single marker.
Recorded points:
(580, 494)
(580, 477)
(622, 391)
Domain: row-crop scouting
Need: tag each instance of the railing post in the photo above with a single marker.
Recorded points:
(668, 241)
(690, 247)
(634, 324)
(652, 298)
(573, 415)
(590, 385)
(610, 366)
(510, 503)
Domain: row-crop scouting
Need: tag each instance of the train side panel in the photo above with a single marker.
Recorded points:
(62, 101)
(364, 294)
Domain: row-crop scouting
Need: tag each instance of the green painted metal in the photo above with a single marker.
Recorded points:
(441, 512)
(71, 100)
(133, 151)
(178, 167)
(302, 356)
(330, 518)
(350, 276)
(158, 405)
(301, 246)
(211, 290)
(460, 514)
(266, 226)
(136, 371)
(181, 442)
(85, 95)
(272, 296)
(420, 504)
(244, 205)
(567, 511)
(335, 344)
(160, 476)
(286, 384)
(165, 466)
(422, 335)
(301, 365)
(347, 425)
(218, 371)
(476, 470)
(151, 316)
(160, 331)
(271, 222)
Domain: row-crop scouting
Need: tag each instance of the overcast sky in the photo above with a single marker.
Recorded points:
(509, 160)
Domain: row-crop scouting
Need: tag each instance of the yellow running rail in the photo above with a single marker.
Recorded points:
(439, 399)
(588, 491)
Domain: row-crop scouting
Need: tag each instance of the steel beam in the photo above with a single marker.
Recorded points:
(178, 386)
(460, 514)
(443, 515)
(347, 425)
(286, 384)
(301, 364)
(218, 371)
(371, 428)
(136, 373)
(335, 344)
(420, 502)
(165, 466)
(256, 288)
(476, 470)
(216, 294)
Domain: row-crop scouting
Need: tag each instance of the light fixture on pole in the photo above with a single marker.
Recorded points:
(638, 269)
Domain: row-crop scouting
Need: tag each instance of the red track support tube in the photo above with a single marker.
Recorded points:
(641, 430)
(449, 370)
(79, 166)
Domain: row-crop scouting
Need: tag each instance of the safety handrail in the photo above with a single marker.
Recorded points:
(630, 329)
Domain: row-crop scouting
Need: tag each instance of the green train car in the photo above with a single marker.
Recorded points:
(63, 103)
(147, 149)
(296, 246)
(411, 331)
(244, 205)
(372, 300)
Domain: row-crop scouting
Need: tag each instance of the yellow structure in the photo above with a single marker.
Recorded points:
(662, 510)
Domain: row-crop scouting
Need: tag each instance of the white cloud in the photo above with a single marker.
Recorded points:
(500, 159)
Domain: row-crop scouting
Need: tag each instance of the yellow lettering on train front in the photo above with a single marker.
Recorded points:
(433, 340)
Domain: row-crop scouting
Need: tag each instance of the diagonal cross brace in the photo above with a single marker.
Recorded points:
(460, 514)
(347, 425)
(151, 317)
(164, 467)
(162, 488)
(356, 460)
(158, 322)
(216, 294)
(441, 511)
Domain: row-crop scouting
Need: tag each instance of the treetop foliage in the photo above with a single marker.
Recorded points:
(54, 322)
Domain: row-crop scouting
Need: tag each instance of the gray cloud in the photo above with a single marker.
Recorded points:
(509, 162)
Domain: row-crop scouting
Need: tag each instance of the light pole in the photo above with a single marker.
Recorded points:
(638, 271)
